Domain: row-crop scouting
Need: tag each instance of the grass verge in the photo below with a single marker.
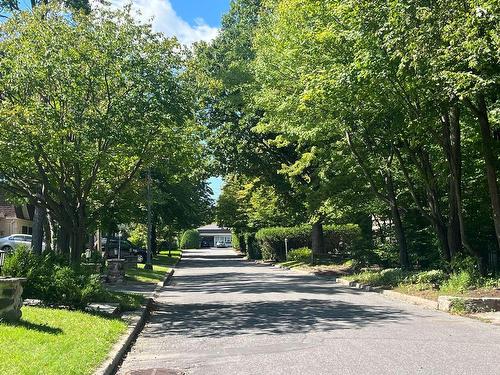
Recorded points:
(320, 268)
(430, 284)
(55, 341)
(161, 265)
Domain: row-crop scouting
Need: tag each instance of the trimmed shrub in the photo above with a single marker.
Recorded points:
(341, 240)
(190, 239)
(235, 241)
(303, 254)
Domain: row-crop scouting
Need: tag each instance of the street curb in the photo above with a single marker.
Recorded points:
(136, 320)
(165, 281)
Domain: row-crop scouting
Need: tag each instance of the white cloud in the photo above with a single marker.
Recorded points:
(165, 19)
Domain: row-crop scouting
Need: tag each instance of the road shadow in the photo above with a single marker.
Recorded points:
(265, 318)
(256, 283)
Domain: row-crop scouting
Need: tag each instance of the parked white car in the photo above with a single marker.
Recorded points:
(9, 243)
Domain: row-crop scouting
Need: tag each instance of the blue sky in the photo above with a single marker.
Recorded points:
(209, 11)
(189, 20)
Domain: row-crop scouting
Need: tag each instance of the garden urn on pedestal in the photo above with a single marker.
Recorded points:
(116, 270)
(11, 291)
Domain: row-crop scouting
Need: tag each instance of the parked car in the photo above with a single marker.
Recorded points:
(109, 246)
(9, 243)
(205, 243)
(220, 244)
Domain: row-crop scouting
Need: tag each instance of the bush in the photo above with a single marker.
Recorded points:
(390, 277)
(50, 279)
(235, 241)
(433, 277)
(304, 255)
(168, 243)
(339, 240)
(460, 282)
(190, 239)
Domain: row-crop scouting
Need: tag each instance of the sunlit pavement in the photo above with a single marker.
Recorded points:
(224, 315)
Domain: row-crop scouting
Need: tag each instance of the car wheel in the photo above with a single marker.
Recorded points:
(140, 258)
(7, 249)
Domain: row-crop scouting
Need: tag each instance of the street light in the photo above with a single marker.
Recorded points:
(286, 249)
(149, 257)
(119, 244)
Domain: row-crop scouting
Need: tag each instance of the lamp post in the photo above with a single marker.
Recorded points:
(149, 263)
(286, 249)
(119, 244)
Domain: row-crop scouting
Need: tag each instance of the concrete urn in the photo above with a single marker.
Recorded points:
(11, 301)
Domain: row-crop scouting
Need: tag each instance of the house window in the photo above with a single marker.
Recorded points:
(27, 230)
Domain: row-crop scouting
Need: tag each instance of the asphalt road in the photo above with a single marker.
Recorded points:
(223, 315)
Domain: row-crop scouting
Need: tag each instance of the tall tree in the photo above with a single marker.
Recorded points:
(83, 121)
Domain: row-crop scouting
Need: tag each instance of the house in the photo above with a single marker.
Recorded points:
(15, 219)
(211, 234)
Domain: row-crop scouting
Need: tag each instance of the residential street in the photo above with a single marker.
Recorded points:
(224, 315)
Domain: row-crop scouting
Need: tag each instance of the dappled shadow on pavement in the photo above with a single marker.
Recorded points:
(245, 298)
(265, 318)
(261, 283)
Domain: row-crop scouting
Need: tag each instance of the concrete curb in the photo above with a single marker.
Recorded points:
(136, 320)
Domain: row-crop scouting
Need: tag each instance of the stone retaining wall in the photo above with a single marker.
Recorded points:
(11, 302)
(469, 304)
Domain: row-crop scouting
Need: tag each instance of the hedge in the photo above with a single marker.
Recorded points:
(340, 240)
(190, 239)
(252, 246)
(235, 241)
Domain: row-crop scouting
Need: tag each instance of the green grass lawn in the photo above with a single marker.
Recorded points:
(52, 341)
(324, 267)
(127, 301)
(161, 265)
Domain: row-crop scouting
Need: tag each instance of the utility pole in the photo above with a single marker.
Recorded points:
(149, 260)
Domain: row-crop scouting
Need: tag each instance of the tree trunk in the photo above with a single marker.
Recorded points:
(154, 237)
(398, 224)
(441, 231)
(423, 162)
(78, 236)
(48, 234)
(37, 237)
(77, 245)
(452, 148)
(63, 240)
(490, 162)
(318, 238)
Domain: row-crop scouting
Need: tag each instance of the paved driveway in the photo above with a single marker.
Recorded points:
(223, 315)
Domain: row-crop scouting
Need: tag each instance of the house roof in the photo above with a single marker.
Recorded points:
(213, 228)
(8, 210)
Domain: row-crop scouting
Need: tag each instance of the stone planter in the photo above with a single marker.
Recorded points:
(116, 270)
(11, 290)
(92, 267)
(130, 262)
